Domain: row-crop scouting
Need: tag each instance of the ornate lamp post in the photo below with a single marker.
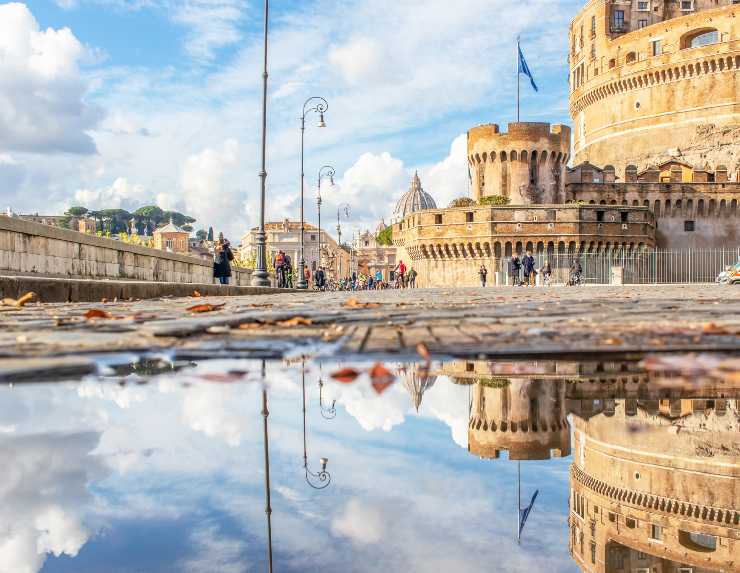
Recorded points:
(325, 171)
(342, 208)
(318, 105)
(260, 276)
(322, 478)
(328, 412)
(265, 439)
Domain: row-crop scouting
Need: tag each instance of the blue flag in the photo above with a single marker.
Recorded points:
(524, 68)
(524, 513)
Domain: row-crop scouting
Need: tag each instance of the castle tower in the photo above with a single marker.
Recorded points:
(526, 165)
(525, 417)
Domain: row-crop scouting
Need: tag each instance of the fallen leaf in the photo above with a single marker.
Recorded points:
(296, 321)
(354, 303)
(198, 308)
(713, 328)
(379, 373)
(381, 387)
(96, 313)
(196, 294)
(423, 351)
(250, 325)
(24, 300)
(614, 341)
(346, 375)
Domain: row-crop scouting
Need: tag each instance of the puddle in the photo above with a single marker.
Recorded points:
(158, 465)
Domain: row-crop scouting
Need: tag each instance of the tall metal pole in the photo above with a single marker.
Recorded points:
(268, 507)
(318, 205)
(260, 277)
(326, 170)
(518, 76)
(519, 501)
(302, 265)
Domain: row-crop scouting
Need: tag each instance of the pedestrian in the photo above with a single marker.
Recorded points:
(483, 275)
(278, 262)
(546, 271)
(320, 278)
(401, 278)
(288, 272)
(307, 275)
(514, 267)
(222, 257)
(378, 279)
(529, 272)
(412, 277)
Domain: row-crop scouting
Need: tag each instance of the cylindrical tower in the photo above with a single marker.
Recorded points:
(526, 165)
(656, 80)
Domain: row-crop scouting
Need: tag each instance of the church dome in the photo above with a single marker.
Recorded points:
(415, 199)
(381, 227)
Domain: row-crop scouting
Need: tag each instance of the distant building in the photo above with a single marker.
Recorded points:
(415, 199)
(171, 238)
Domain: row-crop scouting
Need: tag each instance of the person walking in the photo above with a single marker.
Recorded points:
(320, 279)
(529, 272)
(378, 279)
(401, 274)
(412, 277)
(222, 257)
(278, 262)
(515, 266)
(546, 271)
(483, 275)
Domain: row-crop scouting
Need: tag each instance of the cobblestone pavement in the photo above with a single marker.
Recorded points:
(449, 322)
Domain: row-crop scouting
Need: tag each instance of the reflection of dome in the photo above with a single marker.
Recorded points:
(415, 199)
(417, 381)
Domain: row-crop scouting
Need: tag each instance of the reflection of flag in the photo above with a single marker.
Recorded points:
(524, 68)
(524, 513)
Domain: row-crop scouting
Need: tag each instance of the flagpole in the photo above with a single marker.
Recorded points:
(519, 501)
(518, 76)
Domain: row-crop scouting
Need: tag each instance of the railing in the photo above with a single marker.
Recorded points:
(639, 267)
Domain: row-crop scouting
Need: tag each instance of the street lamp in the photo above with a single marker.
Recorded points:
(322, 478)
(342, 208)
(329, 412)
(268, 507)
(260, 277)
(318, 105)
(325, 171)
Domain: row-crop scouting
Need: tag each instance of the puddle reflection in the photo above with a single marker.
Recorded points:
(162, 467)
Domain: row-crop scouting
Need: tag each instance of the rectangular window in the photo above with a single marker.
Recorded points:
(618, 20)
(469, 217)
(438, 219)
(656, 532)
(624, 215)
(593, 51)
(631, 523)
(642, 23)
(593, 552)
(641, 556)
(687, 5)
(643, 6)
(657, 47)
(593, 26)
(689, 226)
(600, 216)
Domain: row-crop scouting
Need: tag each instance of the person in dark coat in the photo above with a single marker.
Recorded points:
(319, 278)
(529, 272)
(222, 257)
(515, 266)
(483, 275)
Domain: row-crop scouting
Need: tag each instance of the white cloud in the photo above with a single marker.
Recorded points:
(360, 521)
(120, 194)
(360, 60)
(448, 179)
(42, 106)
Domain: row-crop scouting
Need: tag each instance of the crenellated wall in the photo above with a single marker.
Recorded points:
(527, 164)
(687, 215)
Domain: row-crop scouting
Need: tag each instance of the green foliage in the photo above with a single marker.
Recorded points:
(385, 237)
(494, 200)
(494, 382)
(150, 212)
(76, 212)
(201, 234)
(462, 202)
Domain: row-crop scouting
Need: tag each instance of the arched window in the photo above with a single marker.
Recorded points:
(698, 38)
(631, 57)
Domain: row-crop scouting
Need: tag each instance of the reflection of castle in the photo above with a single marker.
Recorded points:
(656, 491)
(655, 478)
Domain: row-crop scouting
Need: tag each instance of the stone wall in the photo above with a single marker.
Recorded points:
(28, 248)
(710, 209)
(646, 95)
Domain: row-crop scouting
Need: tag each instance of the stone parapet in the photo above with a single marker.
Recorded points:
(28, 248)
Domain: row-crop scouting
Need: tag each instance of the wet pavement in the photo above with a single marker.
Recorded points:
(158, 465)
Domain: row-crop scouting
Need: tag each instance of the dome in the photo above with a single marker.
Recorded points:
(415, 199)
(381, 227)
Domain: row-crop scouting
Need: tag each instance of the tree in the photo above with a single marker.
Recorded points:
(462, 202)
(76, 212)
(385, 237)
(494, 200)
(210, 234)
(201, 234)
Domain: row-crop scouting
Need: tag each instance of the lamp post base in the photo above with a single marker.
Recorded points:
(302, 285)
(260, 279)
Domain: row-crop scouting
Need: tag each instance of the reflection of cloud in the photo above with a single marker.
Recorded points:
(448, 402)
(43, 493)
(215, 552)
(375, 412)
(211, 409)
(360, 521)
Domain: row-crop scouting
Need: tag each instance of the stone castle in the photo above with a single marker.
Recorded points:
(655, 148)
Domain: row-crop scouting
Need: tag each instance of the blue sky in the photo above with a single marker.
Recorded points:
(140, 101)
(168, 476)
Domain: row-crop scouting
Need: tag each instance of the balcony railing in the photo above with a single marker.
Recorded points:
(617, 28)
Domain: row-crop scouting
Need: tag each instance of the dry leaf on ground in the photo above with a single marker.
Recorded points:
(713, 328)
(198, 308)
(423, 351)
(97, 313)
(346, 375)
(381, 387)
(355, 303)
(380, 373)
(24, 300)
(296, 321)
(196, 294)
(251, 325)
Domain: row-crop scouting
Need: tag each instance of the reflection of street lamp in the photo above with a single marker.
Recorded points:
(327, 412)
(268, 507)
(325, 171)
(260, 277)
(322, 478)
(320, 105)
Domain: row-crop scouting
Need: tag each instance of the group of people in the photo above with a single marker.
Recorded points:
(286, 276)
(523, 272)
(403, 277)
